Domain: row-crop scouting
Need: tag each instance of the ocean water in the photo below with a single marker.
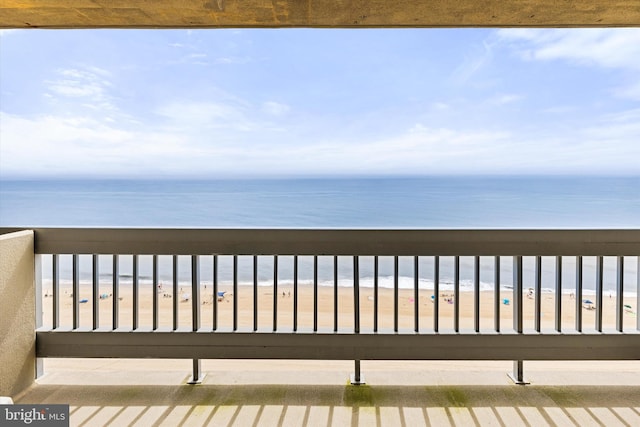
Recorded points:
(427, 202)
(424, 202)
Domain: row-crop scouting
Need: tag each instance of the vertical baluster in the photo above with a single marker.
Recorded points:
(195, 292)
(456, 294)
(496, 294)
(115, 322)
(395, 293)
(55, 279)
(195, 314)
(315, 293)
(579, 294)
(255, 293)
(335, 293)
(135, 291)
(620, 294)
(599, 282)
(375, 294)
(155, 276)
(295, 293)
(76, 290)
(416, 294)
(215, 292)
(356, 378)
(518, 365)
(476, 293)
(275, 293)
(356, 295)
(95, 283)
(538, 293)
(436, 292)
(517, 294)
(235, 293)
(176, 297)
(558, 294)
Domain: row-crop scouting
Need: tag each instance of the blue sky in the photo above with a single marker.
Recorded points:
(234, 103)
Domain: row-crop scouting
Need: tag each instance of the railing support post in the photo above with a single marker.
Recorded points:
(518, 365)
(195, 314)
(197, 376)
(356, 378)
(517, 376)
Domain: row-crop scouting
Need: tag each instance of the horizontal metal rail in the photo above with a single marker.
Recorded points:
(339, 346)
(453, 242)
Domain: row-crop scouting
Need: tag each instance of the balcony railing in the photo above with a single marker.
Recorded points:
(339, 294)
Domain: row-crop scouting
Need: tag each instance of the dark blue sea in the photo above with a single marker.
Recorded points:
(424, 202)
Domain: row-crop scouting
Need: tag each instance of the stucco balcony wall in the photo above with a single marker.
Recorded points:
(17, 312)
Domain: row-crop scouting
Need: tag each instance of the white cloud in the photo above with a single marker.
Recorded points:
(206, 115)
(58, 145)
(620, 128)
(473, 64)
(440, 106)
(608, 47)
(631, 91)
(275, 108)
(609, 146)
(80, 130)
(194, 59)
(505, 99)
(232, 60)
(84, 86)
(560, 109)
(53, 145)
(70, 89)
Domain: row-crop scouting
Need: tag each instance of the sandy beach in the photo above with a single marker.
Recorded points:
(325, 303)
(270, 392)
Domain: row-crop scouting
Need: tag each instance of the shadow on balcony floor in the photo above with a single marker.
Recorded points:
(289, 393)
(246, 405)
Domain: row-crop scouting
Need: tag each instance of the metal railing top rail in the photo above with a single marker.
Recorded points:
(382, 242)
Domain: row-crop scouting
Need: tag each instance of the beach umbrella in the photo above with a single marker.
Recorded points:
(588, 304)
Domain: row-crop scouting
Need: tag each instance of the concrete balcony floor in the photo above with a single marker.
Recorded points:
(317, 393)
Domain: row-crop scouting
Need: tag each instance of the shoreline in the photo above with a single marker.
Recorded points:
(326, 313)
(364, 286)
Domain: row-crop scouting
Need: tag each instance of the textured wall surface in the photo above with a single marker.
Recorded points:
(316, 13)
(17, 313)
